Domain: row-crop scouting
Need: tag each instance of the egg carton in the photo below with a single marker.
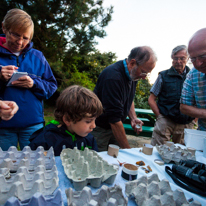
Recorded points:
(38, 200)
(26, 189)
(8, 178)
(13, 159)
(151, 191)
(174, 153)
(27, 153)
(23, 173)
(104, 196)
(87, 167)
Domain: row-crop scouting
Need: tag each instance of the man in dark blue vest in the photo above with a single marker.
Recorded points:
(170, 121)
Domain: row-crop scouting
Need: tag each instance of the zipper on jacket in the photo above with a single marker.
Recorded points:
(17, 59)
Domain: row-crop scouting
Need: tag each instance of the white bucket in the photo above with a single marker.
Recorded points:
(194, 138)
(204, 149)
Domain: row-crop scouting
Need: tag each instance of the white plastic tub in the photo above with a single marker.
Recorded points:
(194, 138)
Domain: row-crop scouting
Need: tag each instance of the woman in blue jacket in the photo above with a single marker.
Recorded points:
(29, 91)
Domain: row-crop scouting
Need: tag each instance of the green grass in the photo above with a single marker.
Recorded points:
(48, 119)
(48, 114)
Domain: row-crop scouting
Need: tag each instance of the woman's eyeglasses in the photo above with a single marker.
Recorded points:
(19, 37)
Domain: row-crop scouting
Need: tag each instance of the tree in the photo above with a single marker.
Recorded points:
(84, 69)
(95, 62)
(142, 94)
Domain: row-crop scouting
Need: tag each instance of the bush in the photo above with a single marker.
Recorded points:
(142, 94)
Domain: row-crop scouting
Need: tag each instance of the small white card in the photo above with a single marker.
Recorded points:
(16, 76)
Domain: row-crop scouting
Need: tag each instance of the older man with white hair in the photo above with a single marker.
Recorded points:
(167, 89)
(193, 98)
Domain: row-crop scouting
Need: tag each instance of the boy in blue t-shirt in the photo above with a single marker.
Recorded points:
(76, 111)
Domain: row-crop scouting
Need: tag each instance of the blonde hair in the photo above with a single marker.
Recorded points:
(76, 103)
(18, 20)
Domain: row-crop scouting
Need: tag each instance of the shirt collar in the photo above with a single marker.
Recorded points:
(126, 69)
(184, 72)
(57, 123)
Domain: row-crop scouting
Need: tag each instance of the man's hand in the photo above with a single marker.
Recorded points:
(134, 120)
(8, 109)
(134, 123)
(7, 72)
(25, 81)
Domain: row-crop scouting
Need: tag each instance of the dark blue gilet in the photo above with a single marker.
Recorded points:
(169, 97)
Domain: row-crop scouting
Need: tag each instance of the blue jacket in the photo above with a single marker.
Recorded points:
(30, 101)
(57, 137)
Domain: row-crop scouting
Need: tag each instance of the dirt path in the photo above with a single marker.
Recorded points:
(135, 141)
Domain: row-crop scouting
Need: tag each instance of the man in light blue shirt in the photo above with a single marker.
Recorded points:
(193, 98)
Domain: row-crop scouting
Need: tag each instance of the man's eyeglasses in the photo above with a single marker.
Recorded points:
(143, 74)
(179, 58)
(18, 37)
(200, 58)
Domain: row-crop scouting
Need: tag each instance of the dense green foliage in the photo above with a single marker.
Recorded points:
(84, 69)
(142, 94)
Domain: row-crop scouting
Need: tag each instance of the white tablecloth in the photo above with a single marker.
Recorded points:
(132, 156)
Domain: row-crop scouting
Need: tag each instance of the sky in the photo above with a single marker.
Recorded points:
(160, 24)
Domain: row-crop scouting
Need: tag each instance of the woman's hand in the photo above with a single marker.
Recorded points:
(25, 81)
(7, 72)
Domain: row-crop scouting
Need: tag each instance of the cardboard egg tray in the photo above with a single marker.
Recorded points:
(151, 191)
(104, 196)
(87, 167)
(23, 173)
(13, 159)
(13, 153)
(174, 153)
(38, 200)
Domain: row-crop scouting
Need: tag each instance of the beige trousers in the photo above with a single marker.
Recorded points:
(166, 130)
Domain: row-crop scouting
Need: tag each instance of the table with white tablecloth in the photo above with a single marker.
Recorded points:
(132, 156)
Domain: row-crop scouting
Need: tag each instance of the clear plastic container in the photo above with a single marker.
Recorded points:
(194, 138)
